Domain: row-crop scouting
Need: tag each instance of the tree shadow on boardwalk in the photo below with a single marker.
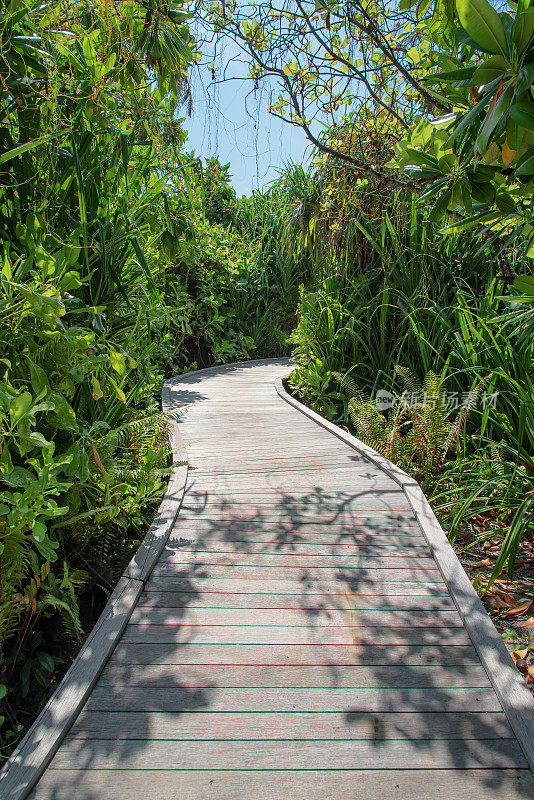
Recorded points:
(366, 650)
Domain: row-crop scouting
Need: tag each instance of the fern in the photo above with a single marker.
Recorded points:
(417, 435)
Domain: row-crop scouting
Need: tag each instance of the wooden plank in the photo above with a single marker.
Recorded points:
(302, 530)
(350, 784)
(225, 538)
(302, 561)
(344, 478)
(312, 676)
(374, 575)
(213, 544)
(326, 499)
(316, 653)
(334, 517)
(179, 698)
(252, 464)
(305, 634)
(418, 605)
(307, 588)
(275, 513)
(316, 616)
(298, 725)
(321, 754)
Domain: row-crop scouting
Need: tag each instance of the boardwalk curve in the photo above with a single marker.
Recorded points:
(305, 632)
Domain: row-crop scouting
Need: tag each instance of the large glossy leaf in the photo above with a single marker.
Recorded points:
(525, 284)
(526, 168)
(452, 75)
(20, 406)
(480, 20)
(492, 119)
(523, 29)
(523, 114)
(490, 69)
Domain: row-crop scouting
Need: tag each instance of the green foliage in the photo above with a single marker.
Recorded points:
(316, 387)
(429, 304)
(476, 162)
(121, 261)
(419, 429)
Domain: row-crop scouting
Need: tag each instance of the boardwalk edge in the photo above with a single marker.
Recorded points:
(514, 695)
(27, 763)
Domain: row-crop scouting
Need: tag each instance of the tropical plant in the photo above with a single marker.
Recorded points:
(477, 160)
(419, 428)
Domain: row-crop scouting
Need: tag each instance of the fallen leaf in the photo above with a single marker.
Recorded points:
(497, 602)
(486, 562)
(519, 609)
(531, 673)
(529, 623)
(522, 654)
(511, 601)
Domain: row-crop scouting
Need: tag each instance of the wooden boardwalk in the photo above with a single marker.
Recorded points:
(296, 639)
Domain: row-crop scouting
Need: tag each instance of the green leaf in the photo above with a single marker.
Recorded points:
(70, 281)
(480, 20)
(63, 416)
(524, 79)
(90, 53)
(118, 362)
(526, 168)
(523, 29)
(118, 391)
(491, 69)
(504, 202)
(39, 380)
(38, 439)
(20, 406)
(523, 114)
(491, 121)
(441, 205)
(46, 660)
(525, 285)
(96, 391)
(452, 76)
(421, 158)
(469, 222)
(27, 146)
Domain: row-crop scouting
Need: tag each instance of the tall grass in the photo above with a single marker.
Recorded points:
(432, 304)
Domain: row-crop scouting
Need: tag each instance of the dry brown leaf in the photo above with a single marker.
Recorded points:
(507, 155)
(531, 673)
(511, 601)
(495, 97)
(522, 654)
(98, 462)
(519, 609)
(528, 623)
(486, 562)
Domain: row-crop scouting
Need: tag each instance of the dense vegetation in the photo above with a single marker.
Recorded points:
(117, 270)
(126, 258)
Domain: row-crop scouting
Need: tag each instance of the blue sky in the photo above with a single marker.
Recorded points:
(231, 121)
